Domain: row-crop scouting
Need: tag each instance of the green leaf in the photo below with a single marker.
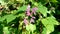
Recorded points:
(49, 23)
(35, 3)
(53, 1)
(5, 30)
(21, 1)
(2, 19)
(50, 28)
(42, 9)
(21, 15)
(1, 29)
(9, 18)
(2, 2)
(21, 9)
(27, 27)
(30, 27)
(44, 30)
(52, 20)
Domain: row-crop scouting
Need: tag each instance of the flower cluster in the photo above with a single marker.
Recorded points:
(28, 13)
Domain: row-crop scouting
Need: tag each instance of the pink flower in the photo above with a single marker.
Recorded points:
(33, 17)
(31, 20)
(28, 11)
(25, 21)
(28, 8)
(34, 10)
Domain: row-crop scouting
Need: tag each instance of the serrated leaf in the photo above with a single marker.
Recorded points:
(50, 28)
(42, 9)
(53, 21)
(49, 23)
(45, 22)
(30, 27)
(49, 20)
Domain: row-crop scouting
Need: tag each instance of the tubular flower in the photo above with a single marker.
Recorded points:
(32, 19)
(34, 10)
(28, 11)
(26, 21)
(28, 8)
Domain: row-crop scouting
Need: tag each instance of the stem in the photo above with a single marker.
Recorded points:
(19, 26)
(32, 32)
(29, 32)
(49, 3)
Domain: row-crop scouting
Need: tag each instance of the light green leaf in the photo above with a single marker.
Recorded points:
(52, 20)
(5, 30)
(42, 9)
(49, 23)
(45, 22)
(44, 30)
(9, 18)
(27, 27)
(30, 27)
(50, 28)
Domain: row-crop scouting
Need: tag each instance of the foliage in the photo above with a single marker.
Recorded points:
(29, 16)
